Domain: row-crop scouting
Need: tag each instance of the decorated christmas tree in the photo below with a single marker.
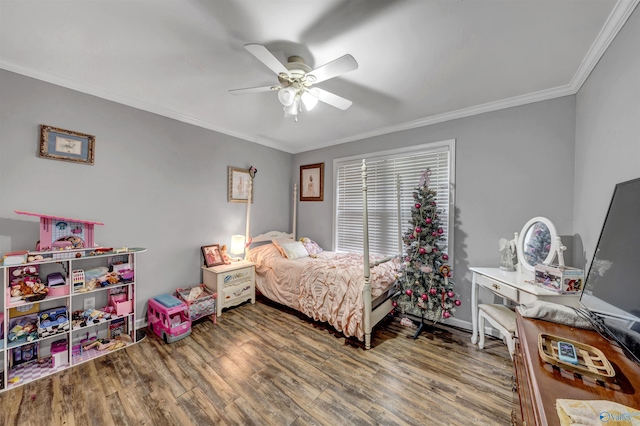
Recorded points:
(538, 244)
(426, 291)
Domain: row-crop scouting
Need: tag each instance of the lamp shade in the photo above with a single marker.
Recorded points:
(237, 244)
(309, 99)
(287, 95)
(294, 108)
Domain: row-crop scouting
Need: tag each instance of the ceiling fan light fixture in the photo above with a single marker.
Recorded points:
(287, 96)
(294, 107)
(309, 99)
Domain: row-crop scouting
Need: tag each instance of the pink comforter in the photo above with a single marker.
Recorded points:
(327, 288)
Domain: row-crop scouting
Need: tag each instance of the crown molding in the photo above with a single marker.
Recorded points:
(515, 101)
(101, 93)
(616, 20)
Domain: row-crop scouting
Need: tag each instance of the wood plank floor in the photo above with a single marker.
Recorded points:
(264, 365)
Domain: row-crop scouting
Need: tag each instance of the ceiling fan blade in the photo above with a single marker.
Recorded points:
(331, 99)
(334, 68)
(266, 57)
(254, 90)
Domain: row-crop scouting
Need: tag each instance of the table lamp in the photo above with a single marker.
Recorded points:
(237, 246)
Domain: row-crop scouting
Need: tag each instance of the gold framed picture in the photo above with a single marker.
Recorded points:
(66, 145)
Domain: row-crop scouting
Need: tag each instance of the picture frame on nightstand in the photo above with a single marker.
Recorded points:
(212, 255)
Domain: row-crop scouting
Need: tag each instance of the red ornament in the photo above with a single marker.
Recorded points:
(435, 249)
(445, 257)
(424, 297)
(440, 231)
(418, 205)
(446, 314)
(428, 220)
(433, 204)
(418, 229)
(457, 303)
(422, 250)
(411, 237)
(409, 292)
(450, 294)
(433, 291)
(394, 303)
(434, 234)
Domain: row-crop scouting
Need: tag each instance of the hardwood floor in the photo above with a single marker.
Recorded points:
(267, 366)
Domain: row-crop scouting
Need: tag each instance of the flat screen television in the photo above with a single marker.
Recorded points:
(612, 287)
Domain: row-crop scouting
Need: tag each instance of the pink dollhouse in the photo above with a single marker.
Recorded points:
(62, 232)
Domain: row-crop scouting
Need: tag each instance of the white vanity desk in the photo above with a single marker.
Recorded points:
(513, 286)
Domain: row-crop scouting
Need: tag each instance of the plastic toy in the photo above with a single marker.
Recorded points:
(61, 232)
(168, 317)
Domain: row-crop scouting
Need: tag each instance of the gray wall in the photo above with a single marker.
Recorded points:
(156, 183)
(607, 135)
(511, 165)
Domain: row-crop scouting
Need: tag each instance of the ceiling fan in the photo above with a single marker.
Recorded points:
(296, 90)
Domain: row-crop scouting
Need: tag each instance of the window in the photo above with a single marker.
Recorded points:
(384, 169)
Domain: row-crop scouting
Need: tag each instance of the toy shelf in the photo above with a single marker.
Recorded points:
(100, 321)
(89, 354)
(107, 287)
(47, 352)
(26, 373)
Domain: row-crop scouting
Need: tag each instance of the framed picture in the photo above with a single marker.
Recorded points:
(312, 182)
(212, 255)
(66, 145)
(239, 185)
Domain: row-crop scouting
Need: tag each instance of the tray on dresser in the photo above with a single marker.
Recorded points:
(591, 361)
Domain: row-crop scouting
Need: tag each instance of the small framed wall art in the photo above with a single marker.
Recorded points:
(212, 255)
(239, 185)
(66, 145)
(312, 182)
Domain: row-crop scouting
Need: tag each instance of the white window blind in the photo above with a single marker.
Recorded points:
(382, 172)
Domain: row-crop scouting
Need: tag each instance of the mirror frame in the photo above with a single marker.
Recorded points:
(552, 250)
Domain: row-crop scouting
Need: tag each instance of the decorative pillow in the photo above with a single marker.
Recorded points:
(278, 242)
(295, 250)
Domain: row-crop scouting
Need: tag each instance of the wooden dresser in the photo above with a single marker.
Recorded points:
(539, 384)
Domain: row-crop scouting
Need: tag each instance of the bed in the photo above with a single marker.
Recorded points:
(351, 292)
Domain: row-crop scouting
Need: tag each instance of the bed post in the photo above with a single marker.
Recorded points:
(247, 237)
(399, 216)
(295, 205)
(366, 290)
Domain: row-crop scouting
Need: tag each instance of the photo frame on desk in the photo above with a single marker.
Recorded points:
(66, 145)
(312, 182)
(212, 255)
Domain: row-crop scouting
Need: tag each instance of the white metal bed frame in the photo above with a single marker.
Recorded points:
(374, 310)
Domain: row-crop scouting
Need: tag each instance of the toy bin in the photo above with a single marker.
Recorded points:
(121, 304)
(53, 321)
(59, 353)
(168, 317)
(200, 300)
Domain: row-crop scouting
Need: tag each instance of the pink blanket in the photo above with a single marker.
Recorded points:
(327, 288)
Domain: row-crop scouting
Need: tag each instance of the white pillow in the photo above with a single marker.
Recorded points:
(295, 250)
(278, 242)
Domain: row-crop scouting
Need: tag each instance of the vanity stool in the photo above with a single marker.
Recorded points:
(501, 318)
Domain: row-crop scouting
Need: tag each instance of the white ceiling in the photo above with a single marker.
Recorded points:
(420, 62)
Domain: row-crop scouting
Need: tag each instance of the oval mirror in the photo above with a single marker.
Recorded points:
(537, 243)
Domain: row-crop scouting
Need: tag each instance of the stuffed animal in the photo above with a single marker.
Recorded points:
(225, 257)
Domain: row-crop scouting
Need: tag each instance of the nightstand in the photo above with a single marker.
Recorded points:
(234, 283)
